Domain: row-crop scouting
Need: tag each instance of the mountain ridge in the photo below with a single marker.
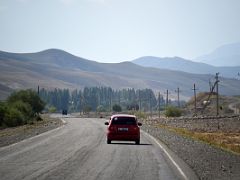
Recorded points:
(225, 55)
(177, 63)
(63, 70)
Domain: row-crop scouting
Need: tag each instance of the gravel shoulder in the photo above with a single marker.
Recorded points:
(13, 135)
(207, 161)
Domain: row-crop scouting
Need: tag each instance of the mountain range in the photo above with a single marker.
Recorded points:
(225, 60)
(180, 64)
(55, 68)
(226, 55)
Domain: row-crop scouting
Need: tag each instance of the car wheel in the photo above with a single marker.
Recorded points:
(108, 141)
(137, 141)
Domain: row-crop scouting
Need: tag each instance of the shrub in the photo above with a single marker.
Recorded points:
(117, 108)
(13, 117)
(173, 112)
(3, 109)
(87, 109)
(21, 107)
(30, 97)
(24, 108)
(133, 106)
(141, 115)
(101, 108)
(52, 109)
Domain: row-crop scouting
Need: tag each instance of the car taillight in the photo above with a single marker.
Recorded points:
(135, 128)
(111, 128)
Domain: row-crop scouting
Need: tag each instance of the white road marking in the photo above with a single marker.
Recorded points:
(168, 155)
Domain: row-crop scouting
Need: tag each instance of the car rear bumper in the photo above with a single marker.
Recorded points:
(123, 137)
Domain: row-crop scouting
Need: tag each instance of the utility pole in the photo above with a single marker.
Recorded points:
(178, 99)
(150, 104)
(119, 98)
(110, 102)
(217, 81)
(159, 101)
(81, 104)
(195, 98)
(167, 98)
(139, 98)
(210, 86)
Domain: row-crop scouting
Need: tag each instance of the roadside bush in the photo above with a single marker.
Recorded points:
(87, 109)
(30, 97)
(101, 108)
(117, 108)
(141, 115)
(25, 109)
(13, 117)
(52, 109)
(173, 112)
(3, 109)
(20, 108)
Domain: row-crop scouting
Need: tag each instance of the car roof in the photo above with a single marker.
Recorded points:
(122, 115)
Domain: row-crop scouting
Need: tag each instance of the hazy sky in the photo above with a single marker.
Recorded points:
(119, 30)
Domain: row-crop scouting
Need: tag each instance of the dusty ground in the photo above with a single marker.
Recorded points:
(223, 132)
(12, 135)
(192, 140)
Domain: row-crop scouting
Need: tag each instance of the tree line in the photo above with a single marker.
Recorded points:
(99, 99)
(24, 106)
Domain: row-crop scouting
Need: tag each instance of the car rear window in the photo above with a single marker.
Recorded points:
(124, 120)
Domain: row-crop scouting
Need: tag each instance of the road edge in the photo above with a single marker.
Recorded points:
(36, 136)
(180, 166)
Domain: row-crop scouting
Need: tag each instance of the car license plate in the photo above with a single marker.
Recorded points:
(122, 129)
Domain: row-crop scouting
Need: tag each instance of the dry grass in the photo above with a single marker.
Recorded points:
(226, 141)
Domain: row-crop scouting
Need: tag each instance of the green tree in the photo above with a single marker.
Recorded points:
(3, 109)
(52, 109)
(87, 109)
(24, 108)
(101, 108)
(30, 97)
(117, 108)
(173, 112)
(13, 117)
(95, 96)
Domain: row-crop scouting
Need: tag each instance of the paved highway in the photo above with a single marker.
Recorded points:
(78, 150)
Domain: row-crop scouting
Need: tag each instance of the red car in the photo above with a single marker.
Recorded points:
(123, 127)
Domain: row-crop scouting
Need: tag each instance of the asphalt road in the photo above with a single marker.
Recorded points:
(78, 150)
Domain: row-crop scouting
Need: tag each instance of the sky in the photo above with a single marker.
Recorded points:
(119, 30)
